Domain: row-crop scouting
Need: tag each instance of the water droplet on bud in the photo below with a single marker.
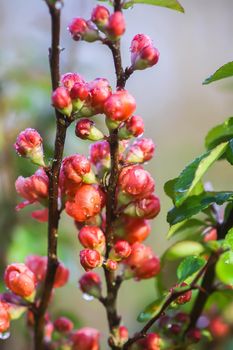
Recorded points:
(88, 297)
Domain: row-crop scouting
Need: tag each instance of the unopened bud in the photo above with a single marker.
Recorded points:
(63, 325)
(92, 237)
(90, 283)
(80, 29)
(133, 127)
(90, 259)
(111, 265)
(121, 250)
(116, 25)
(100, 16)
(141, 151)
(86, 130)
(61, 100)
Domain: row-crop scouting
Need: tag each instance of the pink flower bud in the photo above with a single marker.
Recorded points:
(218, 327)
(29, 145)
(61, 100)
(100, 16)
(100, 90)
(121, 250)
(79, 95)
(33, 188)
(116, 25)
(38, 265)
(69, 79)
(86, 204)
(80, 29)
(139, 42)
(40, 215)
(91, 237)
(62, 276)
(90, 259)
(20, 280)
(63, 325)
(74, 167)
(133, 126)
(86, 339)
(148, 57)
(90, 283)
(143, 262)
(133, 230)
(123, 334)
(119, 106)
(48, 331)
(153, 341)
(100, 154)
(141, 151)
(146, 208)
(111, 265)
(136, 182)
(194, 335)
(86, 130)
(4, 317)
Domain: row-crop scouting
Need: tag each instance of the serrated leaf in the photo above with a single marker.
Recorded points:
(152, 310)
(183, 249)
(228, 241)
(223, 72)
(171, 4)
(220, 133)
(195, 204)
(189, 266)
(224, 268)
(169, 188)
(194, 172)
(189, 225)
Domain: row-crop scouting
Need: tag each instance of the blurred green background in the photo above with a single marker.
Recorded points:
(177, 109)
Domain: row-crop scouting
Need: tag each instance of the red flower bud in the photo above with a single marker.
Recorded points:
(79, 91)
(63, 325)
(146, 208)
(133, 230)
(90, 283)
(141, 151)
(91, 237)
(123, 334)
(74, 168)
(38, 265)
(100, 91)
(100, 16)
(33, 188)
(136, 181)
(80, 29)
(143, 262)
(111, 265)
(194, 335)
(4, 317)
(69, 79)
(20, 280)
(90, 259)
(119, 106)
(29, 145)
(40, 215)
(153, 341)
(219, 328)
(121, 250)
(86, 130)
(211, 234)
(87, 203)
(62, 276)
(61, 100)
(86, 339)
(184, 298)
(148, 57)
(116, 25)
(100, 153)
(133, 126)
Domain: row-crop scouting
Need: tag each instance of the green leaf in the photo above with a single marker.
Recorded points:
(223, 72)
(183, 249)
(195, 204)
(152, 309)
(187, 226)
(224, 268)
(169, 188)
(228, 241)
(189, 266)
(194, 172)
(229, 152)
(220, 133)
(171, 4)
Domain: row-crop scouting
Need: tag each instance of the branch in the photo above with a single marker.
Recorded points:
(171, 298)
(53, 174)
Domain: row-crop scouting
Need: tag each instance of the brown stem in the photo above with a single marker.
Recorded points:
(53, 174)
(171, 298)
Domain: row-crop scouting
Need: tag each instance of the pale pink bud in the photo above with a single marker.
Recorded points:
(69, 79)
(61, 100)
(29, 145)
(90, 283)
(116, 25)
(20, 280)
(90, 259)
(141, 151)
(100, 16)
(80, 29)
(85, 129)
(63, 325)
(86, 339)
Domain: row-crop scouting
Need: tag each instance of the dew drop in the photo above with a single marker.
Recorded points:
(88, 297)
(5, 335)
(58, 5)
